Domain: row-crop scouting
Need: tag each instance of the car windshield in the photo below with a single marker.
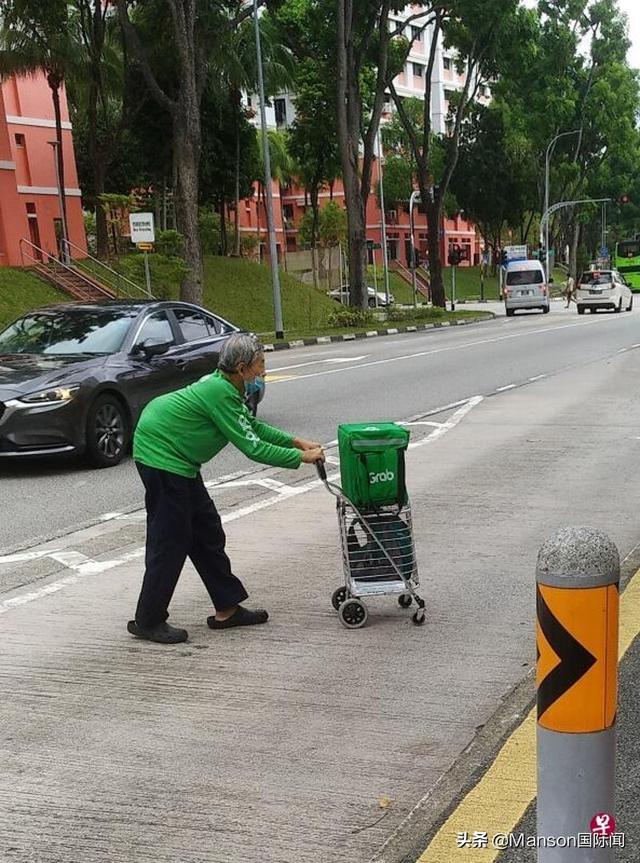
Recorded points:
(68, 332)
(630, 249)
(596, 278)
(524, 277)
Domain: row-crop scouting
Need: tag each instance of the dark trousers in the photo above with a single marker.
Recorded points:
(182, 522)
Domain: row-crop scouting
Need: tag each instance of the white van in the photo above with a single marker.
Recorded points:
(525, 287)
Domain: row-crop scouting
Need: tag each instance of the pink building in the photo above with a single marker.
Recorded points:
(29, 198)
(290, 205)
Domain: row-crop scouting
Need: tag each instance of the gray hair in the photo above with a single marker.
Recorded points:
(239, 348)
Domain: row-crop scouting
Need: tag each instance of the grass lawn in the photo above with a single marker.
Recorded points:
(236, 289)
(21, 291)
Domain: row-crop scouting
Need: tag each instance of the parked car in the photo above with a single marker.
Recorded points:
(75, 377)
(341, 295)
(603, 289)
(525, 287)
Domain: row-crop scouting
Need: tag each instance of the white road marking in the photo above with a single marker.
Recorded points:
(537, 378)
(421, 423)
(25, 556)
(346, 359)
(451, 423)
(504, 389)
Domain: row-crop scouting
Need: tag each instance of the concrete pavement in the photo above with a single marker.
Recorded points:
(300, 740)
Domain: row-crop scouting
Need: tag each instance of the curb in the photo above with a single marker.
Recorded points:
(391, 331)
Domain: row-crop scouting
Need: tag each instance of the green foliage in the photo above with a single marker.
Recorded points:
(350, 318)
(170, 243)
(397, 182)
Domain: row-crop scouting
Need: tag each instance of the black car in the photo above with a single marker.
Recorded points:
(75, 377)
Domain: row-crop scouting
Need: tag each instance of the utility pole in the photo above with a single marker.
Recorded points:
(273, 250)
(385, 261)
(545, 238)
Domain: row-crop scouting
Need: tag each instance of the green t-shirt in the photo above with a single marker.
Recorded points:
(179, 431)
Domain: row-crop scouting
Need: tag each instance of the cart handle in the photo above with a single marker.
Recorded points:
(322, 471)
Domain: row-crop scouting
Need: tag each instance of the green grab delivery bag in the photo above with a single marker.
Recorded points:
(372, 471)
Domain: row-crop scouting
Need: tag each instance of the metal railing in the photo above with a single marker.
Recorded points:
(120, 280)
(51, 267)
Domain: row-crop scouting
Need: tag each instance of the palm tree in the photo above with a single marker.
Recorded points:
(35, 37)
(237, 70)
(283, 169)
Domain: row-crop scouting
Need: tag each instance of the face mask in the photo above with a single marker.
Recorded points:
(252, 387)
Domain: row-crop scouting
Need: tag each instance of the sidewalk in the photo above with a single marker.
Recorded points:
(301, 741)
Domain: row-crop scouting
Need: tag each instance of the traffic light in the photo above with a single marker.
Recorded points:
(455, 255)
(503, 257)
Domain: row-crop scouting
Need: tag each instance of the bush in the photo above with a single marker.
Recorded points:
(170, 243)
(398, 315)
(429, 313)
(349, 318)
(166, 272)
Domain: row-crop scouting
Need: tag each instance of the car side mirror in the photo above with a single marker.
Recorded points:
(150, 349)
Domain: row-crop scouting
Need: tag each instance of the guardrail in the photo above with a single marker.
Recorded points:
(122, 283)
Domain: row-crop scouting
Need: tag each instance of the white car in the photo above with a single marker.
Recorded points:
(603, 289)
(341, 295)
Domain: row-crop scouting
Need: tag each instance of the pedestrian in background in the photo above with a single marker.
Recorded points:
(176, 434)
(570, 288)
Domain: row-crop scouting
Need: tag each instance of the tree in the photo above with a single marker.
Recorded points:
(96, 91)
(397, 182)
(197, 28)
(313, 140)
(480, 31)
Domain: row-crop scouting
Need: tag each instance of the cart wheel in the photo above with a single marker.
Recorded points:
(418, 617)
(353, 613)
(340, 595)
(405, 600)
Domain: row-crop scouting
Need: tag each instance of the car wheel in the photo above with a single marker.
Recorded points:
(107, 436)
(592, 310)
(581, 310)
(619, 307)
(630, 306)
(510, 313)
(372, 303)
(546, 309)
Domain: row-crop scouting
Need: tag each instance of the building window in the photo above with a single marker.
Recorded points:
(20, 142)
(446, 62)
(416, 34)
(280, 106)
(287, 212)
(418, 70)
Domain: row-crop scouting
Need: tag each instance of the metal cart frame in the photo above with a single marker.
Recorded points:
(378, 555)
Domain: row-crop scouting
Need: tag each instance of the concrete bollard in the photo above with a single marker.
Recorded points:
(577, 575)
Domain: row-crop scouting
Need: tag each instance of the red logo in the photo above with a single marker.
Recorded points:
(603, 824)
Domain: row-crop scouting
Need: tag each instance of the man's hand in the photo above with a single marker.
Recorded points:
(300, 443)
(310, 456)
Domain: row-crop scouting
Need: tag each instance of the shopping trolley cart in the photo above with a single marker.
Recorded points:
(378, 556)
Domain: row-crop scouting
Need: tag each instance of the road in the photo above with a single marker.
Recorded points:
(314, 389)
(301, 740)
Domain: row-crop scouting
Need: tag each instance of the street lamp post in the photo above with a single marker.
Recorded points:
(273, 250)
(550, 149)
(385, 260)
(63, 219)
(415, 196)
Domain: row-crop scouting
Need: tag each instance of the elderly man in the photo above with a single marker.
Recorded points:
(176, 434)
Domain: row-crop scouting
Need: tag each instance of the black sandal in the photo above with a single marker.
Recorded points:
(240, 617)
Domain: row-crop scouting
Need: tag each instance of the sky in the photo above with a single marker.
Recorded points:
(632, 8)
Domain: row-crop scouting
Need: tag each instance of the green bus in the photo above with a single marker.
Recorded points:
(627, 262)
